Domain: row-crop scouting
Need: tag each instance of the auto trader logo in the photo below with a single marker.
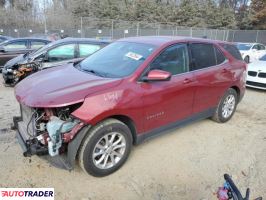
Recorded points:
(26, 193)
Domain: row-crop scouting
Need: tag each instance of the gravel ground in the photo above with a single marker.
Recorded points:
(188, 163)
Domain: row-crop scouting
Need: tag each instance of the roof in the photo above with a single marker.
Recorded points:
(28, 38)
(82, 40)
(249, 43)
(161, 40)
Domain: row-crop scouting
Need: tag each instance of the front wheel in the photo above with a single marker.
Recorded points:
(226, 107)
(106, 148)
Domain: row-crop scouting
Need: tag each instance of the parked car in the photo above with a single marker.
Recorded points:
(4, 38)
(125, 93)
(256, 77)
(54, 54)
(251, 51)
(14, 47)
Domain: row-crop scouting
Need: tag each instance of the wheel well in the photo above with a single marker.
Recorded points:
(129, 122)
(237, 91)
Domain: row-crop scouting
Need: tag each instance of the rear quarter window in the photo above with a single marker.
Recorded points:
(232, 49)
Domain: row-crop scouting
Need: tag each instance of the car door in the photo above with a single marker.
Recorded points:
(13, 49)
(212, 73)
(60, 55)
(166, 102)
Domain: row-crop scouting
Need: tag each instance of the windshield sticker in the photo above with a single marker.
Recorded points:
(134, 56)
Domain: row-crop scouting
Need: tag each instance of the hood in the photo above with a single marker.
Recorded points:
(257, 66)
(19, 59)
(60, 86)
(243, 51)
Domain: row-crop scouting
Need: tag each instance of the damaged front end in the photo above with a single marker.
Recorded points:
(50, 131)
(19, 71)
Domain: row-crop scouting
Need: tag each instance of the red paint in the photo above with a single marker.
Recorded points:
(148, 104)
(157, 75)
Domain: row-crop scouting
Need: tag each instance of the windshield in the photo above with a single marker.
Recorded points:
(118, 59)
(263, 58)
(4, 42)
(244, 47)
(41, 50)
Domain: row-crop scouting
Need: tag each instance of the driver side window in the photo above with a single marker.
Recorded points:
(256, 47)
(174, 59)
(64, 52)
(18, 45)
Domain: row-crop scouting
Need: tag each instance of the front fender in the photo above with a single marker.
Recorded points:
(97, 107)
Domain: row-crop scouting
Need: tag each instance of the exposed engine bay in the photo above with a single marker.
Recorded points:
(21, 71)
(47, 131)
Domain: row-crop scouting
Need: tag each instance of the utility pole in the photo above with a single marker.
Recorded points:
(138, 29)
(44, 11)
(81, 26)
(112, 29)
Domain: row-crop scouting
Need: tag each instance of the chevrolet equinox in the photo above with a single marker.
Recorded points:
(93, 111)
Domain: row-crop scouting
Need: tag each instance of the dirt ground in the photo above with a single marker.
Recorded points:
(188, 163)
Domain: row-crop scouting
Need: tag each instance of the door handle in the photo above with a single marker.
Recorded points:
(187, 81)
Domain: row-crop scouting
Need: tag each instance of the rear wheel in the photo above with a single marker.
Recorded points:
(106, 148)
(226, 107)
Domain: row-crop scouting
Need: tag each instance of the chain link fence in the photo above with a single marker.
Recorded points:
(115, 29)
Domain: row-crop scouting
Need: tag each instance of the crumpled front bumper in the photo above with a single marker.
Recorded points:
(7, 76)
(30, 146)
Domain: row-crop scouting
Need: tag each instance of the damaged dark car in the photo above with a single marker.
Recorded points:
(12, 48)
(54, 54)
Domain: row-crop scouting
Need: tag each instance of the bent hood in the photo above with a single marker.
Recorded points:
(60, 86)
(11, 63)
(257, 66)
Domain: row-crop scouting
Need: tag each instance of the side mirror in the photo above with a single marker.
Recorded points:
(157, 75)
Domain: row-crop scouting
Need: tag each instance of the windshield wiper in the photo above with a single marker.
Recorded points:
(93, 72)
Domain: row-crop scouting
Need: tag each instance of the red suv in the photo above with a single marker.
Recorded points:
(123, 94)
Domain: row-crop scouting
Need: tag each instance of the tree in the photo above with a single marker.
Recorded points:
(258, 10)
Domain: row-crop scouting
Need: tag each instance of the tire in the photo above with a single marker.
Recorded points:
(246, 59)
(99, 157)
(220, 114)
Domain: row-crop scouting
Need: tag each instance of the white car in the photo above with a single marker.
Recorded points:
(256, 76)
(251, 51)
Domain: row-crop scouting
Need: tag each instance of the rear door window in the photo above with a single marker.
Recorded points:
(203, 55)
(17, 45)
(37, 44)
(64, 52)
(174, 59)
(87, 49)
